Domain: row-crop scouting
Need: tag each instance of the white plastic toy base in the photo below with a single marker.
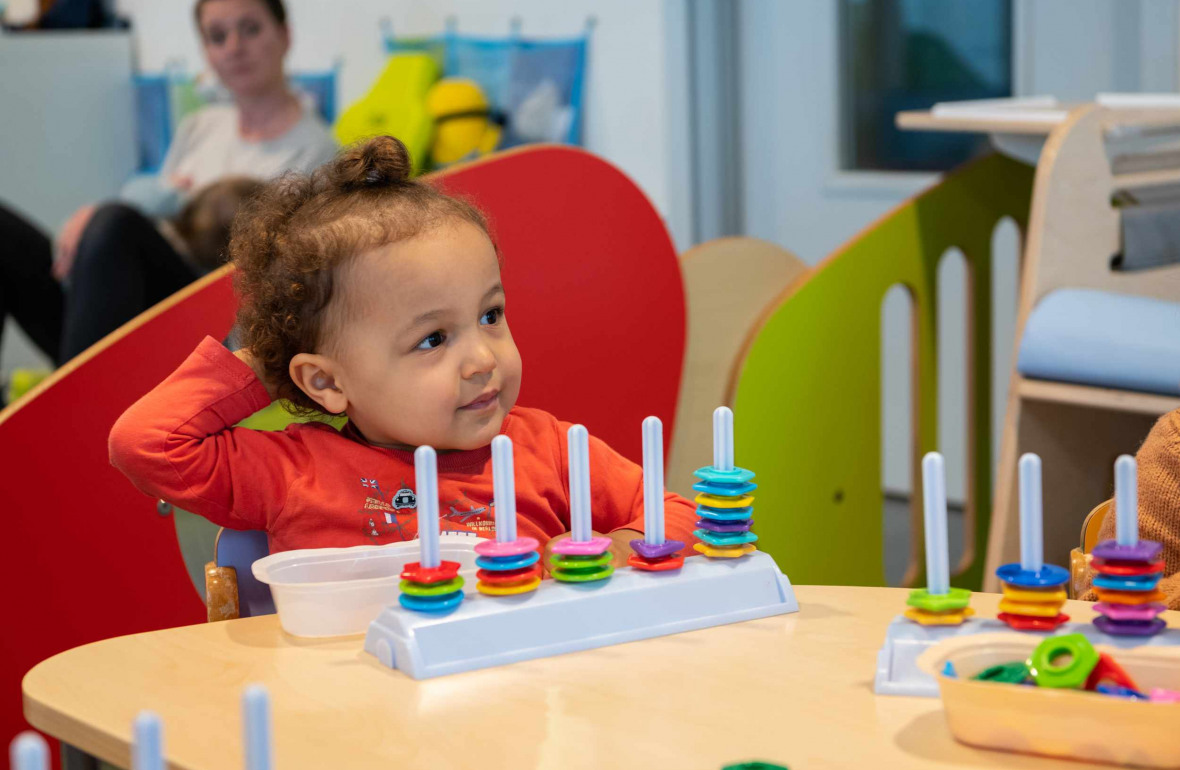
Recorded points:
(905, 640)
(559, 617)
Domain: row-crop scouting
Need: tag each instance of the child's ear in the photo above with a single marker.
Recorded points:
(314, 375)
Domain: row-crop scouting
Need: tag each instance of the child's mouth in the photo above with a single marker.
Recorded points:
(483, 402)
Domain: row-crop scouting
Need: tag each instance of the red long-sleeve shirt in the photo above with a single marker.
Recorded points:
(310, 486)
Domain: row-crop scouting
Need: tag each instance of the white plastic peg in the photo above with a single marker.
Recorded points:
(29, 752)
(504, 489)
(723, 438)
(1032, 548)
(426, 480)
(256, 727)
(1126, 500)
(938, 577)
(653, 481)
(147, 753)
(578, 439)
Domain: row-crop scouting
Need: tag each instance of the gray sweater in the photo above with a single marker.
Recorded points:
(208, 147)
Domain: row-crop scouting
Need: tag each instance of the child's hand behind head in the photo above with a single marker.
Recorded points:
(365, 292)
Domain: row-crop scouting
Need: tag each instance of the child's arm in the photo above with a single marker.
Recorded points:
(178, 443)
(1159, 501)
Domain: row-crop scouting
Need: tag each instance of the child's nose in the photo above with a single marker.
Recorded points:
(479, 360)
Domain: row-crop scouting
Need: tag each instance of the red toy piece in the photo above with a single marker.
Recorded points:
(446, 570)
(511, 577)
(1108, 671)
(1031, 623)
(662, 564)
(1126, 569)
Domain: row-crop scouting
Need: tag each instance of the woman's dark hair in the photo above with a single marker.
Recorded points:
(275, 7)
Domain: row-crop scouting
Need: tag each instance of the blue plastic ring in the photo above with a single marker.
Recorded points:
(723, 538)
(1127, 584)
(506, 563)
(431, 603)
(724, 490)
(725, 514)
(735, 476)
(1047, 575)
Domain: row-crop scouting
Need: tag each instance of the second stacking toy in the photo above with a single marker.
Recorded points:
(429, 584)
(654, 553)
(582, 557)
(1127, 570)
(724, 502)
(1034, 592)
(937, 604)
(509, 565)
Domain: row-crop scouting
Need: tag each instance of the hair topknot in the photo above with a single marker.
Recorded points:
(380, 162)
(290, 240)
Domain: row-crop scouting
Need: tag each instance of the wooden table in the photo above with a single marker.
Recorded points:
(794, 689)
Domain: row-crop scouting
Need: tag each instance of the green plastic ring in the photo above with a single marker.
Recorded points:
(578, 563)
(957, 599)
(583, 577)
(433, 589)
(1015, 672)
(1082, 660)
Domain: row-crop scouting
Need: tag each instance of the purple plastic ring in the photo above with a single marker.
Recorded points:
(518, 547)
(1139, 612)
(667, 548)
(1129, 627)
(591, 547)
(1143, 551)
(725, 526)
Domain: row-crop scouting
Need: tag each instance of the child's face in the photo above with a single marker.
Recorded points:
(423, 354)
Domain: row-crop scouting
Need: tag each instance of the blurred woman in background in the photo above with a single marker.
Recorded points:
(113, 259)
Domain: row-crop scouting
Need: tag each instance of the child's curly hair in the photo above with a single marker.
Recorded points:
(290, 240)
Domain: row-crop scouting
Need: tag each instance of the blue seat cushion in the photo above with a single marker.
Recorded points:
(1103, 339)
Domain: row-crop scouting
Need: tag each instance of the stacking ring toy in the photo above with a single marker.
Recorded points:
(1063, 661)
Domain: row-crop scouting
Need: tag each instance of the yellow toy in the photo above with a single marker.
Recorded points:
(396, 106)
(465, 124)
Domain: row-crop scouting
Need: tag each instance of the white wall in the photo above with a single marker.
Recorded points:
(632, 109)
(797, 195)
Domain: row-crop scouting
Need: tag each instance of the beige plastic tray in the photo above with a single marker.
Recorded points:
(1061, 723)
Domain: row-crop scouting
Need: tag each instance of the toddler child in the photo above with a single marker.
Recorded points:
(367, 294)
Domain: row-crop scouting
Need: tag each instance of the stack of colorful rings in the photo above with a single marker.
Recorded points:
(1033, 598)
(429, 584)
(1127, 580)
(1128, 570)
(582, 558)
(725, 507)
(508, 568)
(1034, 592)
(431, 589)
(582, 561)
(654, 552)
(938, 604)
(509, 565)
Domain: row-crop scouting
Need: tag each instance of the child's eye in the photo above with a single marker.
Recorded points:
(492, 316)
(432, 341)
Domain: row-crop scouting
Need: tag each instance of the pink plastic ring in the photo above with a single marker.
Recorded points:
(591, 547)
(518, 547)
(1129, 611)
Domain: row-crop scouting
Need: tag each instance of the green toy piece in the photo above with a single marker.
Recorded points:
(1077, 659)
(1015, 672)
(957, 599)
(434, 589)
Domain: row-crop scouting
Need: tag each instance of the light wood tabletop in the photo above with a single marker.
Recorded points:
(793, 689)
